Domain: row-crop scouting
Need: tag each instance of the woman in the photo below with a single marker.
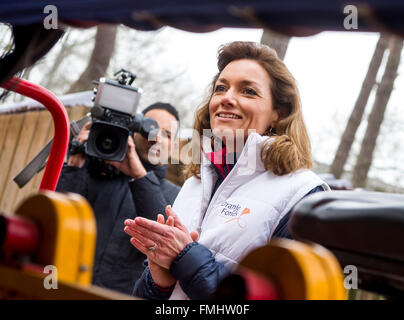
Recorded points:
(233, 208)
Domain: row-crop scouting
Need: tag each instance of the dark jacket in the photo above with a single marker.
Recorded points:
(197, 271)
(117, 264)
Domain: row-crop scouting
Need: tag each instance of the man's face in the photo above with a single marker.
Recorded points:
(157, 152)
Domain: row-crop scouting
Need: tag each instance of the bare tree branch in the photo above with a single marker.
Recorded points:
(348, 137)
(376, 117)
(276, 41)
(99, 60)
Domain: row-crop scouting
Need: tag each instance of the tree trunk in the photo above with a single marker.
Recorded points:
(348, 137)
(276, 41)
(99, 60)
(375, 120)
(64, 51)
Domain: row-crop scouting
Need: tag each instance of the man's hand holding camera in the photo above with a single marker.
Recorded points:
(78, 159)
(130, 166)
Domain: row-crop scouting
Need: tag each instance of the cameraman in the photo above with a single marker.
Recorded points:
(120, 190)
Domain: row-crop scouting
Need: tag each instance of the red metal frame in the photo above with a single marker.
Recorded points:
(21, 236)
(61, 123)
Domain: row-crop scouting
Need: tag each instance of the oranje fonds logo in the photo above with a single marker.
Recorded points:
(233, 212)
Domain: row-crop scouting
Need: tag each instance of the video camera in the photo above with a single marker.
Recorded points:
(114, 118)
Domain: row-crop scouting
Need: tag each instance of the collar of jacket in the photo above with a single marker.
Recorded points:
(222, 162)
(248, 160)
(159, 171)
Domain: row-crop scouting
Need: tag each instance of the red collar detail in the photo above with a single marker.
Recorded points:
(218, 159)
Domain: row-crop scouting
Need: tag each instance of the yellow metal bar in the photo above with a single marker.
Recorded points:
(68, 233)
(300, 271)
(88, 231)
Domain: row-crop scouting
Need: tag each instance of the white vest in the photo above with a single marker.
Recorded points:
(246, 208)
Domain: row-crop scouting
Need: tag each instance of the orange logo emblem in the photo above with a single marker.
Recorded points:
(241, 223)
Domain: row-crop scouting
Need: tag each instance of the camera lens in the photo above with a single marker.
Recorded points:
(107, 142)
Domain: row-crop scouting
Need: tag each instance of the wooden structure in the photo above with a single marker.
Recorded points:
(25, 128)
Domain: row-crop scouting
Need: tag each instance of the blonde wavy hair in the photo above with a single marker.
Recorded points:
(291, 149)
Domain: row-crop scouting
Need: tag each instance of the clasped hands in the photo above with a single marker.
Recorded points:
(161, 241)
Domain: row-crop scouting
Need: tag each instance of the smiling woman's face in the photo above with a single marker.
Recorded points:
(242, 99)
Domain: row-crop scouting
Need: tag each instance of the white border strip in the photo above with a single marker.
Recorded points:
(72, 99)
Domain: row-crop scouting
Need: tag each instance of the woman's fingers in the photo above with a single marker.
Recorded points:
(160, 219)
(194, 235)
(151, 226)
(154, 236)
(138, 240)
(142, 243)
(170, 221)
(130, 231)
(147, 243)
(151, 249)
(177, 221)
(149, 233)
(138, 245)
(170, 212)
(150, 229)
(135, 232)
(129, 222)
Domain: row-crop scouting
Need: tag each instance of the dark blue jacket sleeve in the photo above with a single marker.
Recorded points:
(282, 230)
(145, 288)
(151, 195)
(198, 271)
